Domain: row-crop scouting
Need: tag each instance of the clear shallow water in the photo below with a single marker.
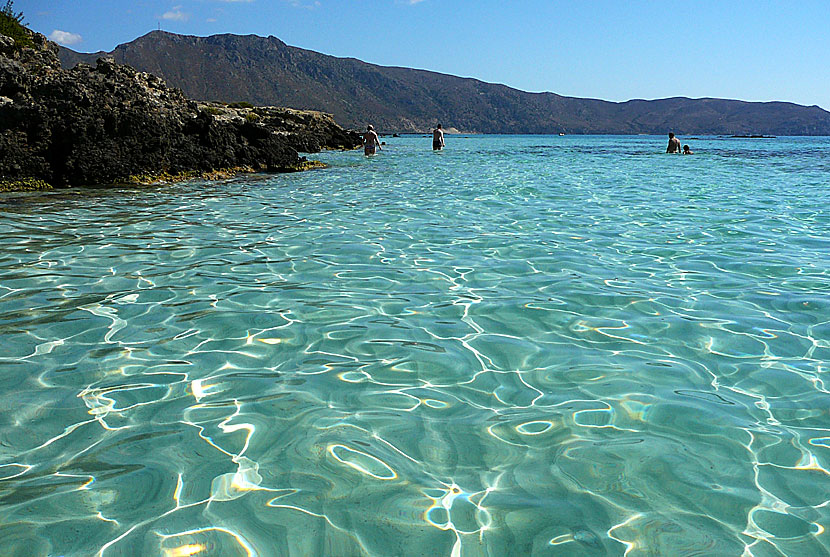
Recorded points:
(521, 345)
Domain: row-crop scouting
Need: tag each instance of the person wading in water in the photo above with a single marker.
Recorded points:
(674, 144)
(437, 138)
(370, 141)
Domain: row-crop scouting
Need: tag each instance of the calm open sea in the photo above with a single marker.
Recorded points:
(523, 345)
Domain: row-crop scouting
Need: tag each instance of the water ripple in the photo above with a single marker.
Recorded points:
(520, 345)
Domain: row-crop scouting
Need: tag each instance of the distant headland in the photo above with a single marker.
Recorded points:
(266, 71)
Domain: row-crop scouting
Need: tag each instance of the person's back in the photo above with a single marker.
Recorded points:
(370, 141)
(674, 144)
(438, 138)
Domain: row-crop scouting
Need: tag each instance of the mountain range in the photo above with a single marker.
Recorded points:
(266, 71)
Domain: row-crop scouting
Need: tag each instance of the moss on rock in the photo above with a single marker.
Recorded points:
(309, 165)
(152, 179)
(24, 184)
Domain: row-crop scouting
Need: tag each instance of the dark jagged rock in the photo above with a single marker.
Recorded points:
(105, 123)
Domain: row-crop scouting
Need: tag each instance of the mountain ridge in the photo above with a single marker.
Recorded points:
(267, 71)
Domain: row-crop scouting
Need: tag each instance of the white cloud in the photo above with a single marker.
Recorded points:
(65, 37)
(302, 4)
(176, 14)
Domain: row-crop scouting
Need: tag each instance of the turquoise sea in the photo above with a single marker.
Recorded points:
(523, 345)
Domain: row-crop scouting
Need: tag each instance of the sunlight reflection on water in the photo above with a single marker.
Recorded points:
(520, 345)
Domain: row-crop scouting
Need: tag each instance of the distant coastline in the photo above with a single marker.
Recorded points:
(399, 100)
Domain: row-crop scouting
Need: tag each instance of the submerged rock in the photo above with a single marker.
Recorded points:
(106, 123)
(586, 537)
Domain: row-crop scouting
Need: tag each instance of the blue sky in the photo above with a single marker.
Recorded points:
(758, 51)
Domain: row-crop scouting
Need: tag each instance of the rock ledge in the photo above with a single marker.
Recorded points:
(104, 124)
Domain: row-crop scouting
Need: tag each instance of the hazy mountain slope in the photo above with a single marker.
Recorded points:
(266, 71)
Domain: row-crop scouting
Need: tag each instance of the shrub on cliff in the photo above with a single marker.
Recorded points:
(11, 25)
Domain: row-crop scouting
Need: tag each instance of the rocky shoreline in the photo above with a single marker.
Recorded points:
(111, 124)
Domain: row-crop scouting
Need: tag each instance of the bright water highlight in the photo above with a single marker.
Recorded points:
(518, 346)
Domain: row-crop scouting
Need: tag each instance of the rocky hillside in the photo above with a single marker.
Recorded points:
(267, 71)
(109, 123)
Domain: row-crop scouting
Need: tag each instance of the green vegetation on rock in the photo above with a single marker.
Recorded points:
(24, 184)
(11, 25)
(155, 178)
(309, 165)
